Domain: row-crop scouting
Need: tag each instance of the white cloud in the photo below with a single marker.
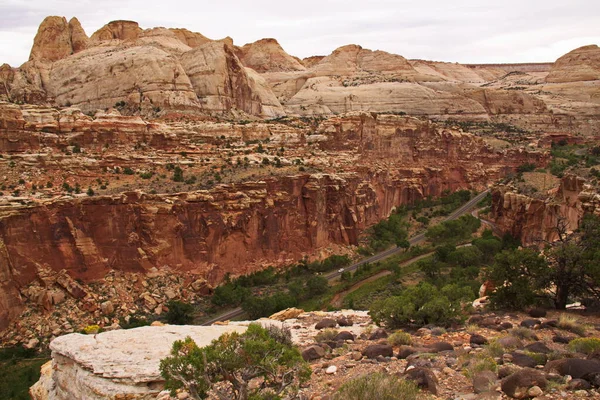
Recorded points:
(475, 31)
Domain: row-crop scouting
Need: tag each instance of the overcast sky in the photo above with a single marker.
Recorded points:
(467, 31)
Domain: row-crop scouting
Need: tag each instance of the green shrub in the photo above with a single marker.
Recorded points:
(480, 362)
(400, 339)
(584, 345)
(377, 386)
(522, 332)
(239, 360)
(326, 335)
(179, 313)
(422, 304)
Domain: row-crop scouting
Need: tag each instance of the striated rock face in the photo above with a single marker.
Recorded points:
(582, 64)
(116, 364)
(56, 39)
(266, 55)
(192, 39)
(221, 82)
(52, 41)
(235, 228)
(143, 77)
(79, 39)
(350, 59)
(535, 220)
(117, 30)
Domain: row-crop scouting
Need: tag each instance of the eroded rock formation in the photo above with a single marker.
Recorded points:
(534, 220)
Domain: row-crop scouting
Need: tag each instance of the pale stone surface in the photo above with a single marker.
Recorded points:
(266, 55)
(121, 362)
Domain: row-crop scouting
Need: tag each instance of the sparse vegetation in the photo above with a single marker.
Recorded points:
(377, 386)
(236, 359)
(585, 345)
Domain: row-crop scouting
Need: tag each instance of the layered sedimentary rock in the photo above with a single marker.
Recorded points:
(534, 220)
(235, 228)
(56, 39)
(266, 55)
(221, 82)
(582, 64)
(117, 30)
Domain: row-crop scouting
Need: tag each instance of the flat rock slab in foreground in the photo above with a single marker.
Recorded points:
(110, 364)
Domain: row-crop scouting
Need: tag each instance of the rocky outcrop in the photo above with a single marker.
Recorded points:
(582, 64)
(56, 39)
(116, 364)
(266, 55)
(352, 59)
(221, 82)
(117, 30)
(534, 220)
(144, 77)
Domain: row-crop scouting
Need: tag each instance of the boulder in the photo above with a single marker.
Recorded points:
(378, 334)
(530, 323)
(313, 353)
(575, 367)
(288, 313)
(423, 377)
(374, 350)
(326, 323)
(538, 347)
(440, 346)
(478, 340)
(107, 307)
(537, 313)
(518, 384)
(484, 381)
(523, 360)
(578, 384)
(344, 335)
(343, 321)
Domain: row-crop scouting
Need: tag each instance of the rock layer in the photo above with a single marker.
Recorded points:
(534, 220)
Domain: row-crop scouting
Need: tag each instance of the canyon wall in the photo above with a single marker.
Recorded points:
(534, 220)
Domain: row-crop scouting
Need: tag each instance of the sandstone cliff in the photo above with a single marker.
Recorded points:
(56, 39)
(382, 161)
(534, 220)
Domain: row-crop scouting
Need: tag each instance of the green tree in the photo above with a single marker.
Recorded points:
(260, 354)
(179, 313)
(574, 261)
(422, 304)
(178, 174)
(520, 277)
(316, 285)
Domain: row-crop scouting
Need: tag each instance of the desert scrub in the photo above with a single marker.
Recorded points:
(584, 345)
(494, 349)
(571, 324)
(377, 386)
(478, 363)
(523, 333)
(540, 358)
(400, 338)
(90, 329)
(326, 335)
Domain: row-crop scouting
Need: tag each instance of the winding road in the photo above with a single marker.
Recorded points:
(462, 210)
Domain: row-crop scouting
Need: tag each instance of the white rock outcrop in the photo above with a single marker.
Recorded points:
(116, 364)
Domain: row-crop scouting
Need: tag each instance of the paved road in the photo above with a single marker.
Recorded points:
(236, 312)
